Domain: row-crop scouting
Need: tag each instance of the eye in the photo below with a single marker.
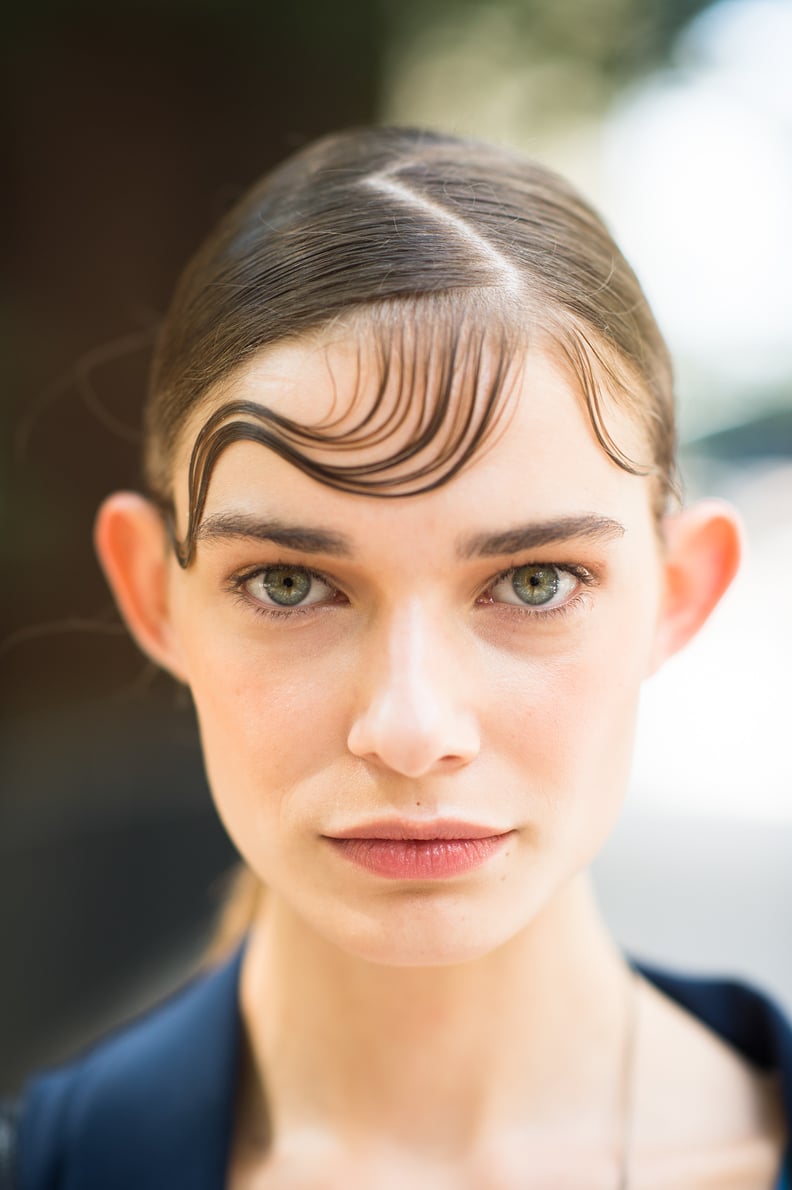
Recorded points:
(287, 586)
(535, 586)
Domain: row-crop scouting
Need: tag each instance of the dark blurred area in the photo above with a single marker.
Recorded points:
(129, 129)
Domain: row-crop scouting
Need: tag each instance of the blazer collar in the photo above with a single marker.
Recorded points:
(150, 1106)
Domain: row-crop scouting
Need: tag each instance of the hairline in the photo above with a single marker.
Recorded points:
(361, 323)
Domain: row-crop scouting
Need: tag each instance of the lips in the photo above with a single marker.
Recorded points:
(439, 828)
(400, 850)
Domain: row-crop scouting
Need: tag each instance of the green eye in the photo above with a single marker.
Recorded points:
(535, 584)
(286, 585)
(544, 588)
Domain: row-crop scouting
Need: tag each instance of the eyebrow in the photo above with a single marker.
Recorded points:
(311, 540)
(540, 533)
(294, 537)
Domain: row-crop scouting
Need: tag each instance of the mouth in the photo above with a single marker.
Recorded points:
(421, 830)
(401, 850)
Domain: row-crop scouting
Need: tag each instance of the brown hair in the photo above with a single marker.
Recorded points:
(424, 244)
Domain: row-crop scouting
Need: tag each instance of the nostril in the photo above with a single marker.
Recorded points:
(414, 745)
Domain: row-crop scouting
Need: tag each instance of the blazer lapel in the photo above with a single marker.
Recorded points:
(151, 1107)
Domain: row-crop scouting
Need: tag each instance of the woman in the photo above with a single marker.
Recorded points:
(411, 541)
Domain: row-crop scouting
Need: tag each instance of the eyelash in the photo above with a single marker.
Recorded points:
(586, 577)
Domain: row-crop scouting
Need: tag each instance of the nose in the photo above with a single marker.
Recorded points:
(412, 717)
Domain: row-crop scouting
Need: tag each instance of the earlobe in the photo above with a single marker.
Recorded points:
(703, 546)
(131, 544)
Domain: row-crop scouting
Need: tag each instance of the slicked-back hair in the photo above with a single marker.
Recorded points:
(427, 246)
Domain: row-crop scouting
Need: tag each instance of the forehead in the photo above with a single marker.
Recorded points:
(401, 365)
(388, 378)
(543, 453)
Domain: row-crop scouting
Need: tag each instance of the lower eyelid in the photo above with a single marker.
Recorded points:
(274, 611)
(512, 615)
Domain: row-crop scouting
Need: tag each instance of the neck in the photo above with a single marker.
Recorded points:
(529, 1038)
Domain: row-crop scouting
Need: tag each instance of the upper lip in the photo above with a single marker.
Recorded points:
(439, 828)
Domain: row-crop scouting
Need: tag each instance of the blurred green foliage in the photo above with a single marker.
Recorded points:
(620, 39)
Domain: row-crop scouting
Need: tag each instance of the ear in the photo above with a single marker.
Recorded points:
(133, 548)
(703, 545)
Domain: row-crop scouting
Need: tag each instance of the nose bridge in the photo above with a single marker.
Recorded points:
(413, 714)
(408, 644)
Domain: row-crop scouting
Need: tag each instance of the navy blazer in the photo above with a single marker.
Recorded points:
(151, 1107)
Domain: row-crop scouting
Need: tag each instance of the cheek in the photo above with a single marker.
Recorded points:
(269, 719)
(571, 715)
(568, 727)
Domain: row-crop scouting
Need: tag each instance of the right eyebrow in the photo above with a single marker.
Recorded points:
(225, 525)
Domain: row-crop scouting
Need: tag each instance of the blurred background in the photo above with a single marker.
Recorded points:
(128, 130)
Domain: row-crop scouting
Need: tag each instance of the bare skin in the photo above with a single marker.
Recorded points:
(703, 1117)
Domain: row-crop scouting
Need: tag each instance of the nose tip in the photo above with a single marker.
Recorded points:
(414, 741)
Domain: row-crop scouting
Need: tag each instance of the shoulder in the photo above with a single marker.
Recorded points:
(717, 1073)
(743, 1014)
(127, 1111)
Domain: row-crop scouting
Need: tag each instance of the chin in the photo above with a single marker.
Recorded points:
(423, 936)
(418, 952)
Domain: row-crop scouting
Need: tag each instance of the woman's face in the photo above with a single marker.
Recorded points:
(470, 655)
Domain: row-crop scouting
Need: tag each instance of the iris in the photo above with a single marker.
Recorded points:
(286, 585)
(535, 584)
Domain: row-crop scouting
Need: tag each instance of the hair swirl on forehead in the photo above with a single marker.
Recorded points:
(445, 255)
(446, 417)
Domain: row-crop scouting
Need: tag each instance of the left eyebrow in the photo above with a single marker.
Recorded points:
(539, 533)
(294, 537)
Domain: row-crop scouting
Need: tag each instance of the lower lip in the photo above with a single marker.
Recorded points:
(419, 859)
